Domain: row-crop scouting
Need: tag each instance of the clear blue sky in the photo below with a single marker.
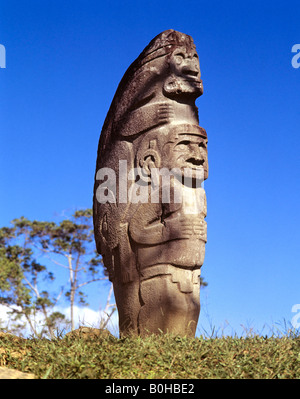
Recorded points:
(64, 61)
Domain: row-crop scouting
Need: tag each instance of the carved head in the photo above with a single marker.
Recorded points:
(183, 69)
(174, 146)
(185, 150)
(184, 73)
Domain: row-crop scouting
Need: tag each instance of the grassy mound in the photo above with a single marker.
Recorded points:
(164, 356)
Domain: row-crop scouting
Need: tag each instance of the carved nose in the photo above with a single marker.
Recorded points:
(196, 155)
(190, 68)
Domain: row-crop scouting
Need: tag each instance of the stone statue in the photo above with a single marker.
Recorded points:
(149, 202)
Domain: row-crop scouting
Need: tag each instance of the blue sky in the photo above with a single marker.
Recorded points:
(64, 61)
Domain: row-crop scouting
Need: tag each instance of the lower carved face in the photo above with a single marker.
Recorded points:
(185, 72)
(187, 151)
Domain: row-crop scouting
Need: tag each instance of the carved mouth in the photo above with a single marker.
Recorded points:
(193, 79)
(195, 161)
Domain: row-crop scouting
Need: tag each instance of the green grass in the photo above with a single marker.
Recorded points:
(162, 356)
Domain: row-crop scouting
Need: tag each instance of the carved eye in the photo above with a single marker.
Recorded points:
(183, 143)
(179, 58)
(195, 55)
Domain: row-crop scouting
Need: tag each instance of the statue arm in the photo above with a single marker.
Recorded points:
(147, 226)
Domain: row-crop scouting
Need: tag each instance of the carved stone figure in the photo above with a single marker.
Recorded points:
(149, 201)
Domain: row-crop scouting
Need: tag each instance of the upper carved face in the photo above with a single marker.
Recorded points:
(185, 72)
(186, 151)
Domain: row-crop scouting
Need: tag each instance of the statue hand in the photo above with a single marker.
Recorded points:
(185, 227)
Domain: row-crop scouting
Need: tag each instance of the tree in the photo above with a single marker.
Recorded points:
(68, 245)
(19, 277)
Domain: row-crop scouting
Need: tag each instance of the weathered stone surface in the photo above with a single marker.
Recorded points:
(11, 374)
(150, 229)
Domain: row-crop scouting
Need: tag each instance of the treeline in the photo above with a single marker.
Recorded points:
(31, 254)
